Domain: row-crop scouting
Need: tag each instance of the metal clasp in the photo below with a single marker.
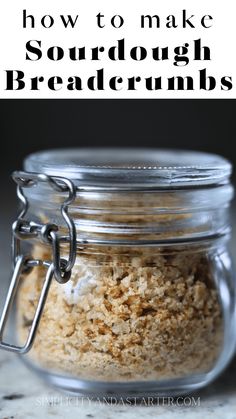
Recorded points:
(21, 264)
(23, 229)
(48, 232)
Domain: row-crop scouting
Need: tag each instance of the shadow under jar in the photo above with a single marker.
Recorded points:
(141, 296)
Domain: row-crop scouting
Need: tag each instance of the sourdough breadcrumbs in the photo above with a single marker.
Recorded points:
(130, 315)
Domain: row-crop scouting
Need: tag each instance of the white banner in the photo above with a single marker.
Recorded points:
(110, 49)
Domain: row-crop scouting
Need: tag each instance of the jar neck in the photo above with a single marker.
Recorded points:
(138, 216)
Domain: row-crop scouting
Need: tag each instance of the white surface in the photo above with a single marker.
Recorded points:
(23, 396)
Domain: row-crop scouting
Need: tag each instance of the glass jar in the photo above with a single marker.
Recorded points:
(127, 286)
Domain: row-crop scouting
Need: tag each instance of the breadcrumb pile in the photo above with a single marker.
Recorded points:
(126, 314)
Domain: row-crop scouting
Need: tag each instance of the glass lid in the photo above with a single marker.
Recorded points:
(130, 167)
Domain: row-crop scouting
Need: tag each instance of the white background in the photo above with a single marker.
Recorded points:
(220, 38)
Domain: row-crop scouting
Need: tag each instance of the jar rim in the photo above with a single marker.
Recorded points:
(131, 166)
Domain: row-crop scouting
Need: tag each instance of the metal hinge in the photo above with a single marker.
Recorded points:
(23, 229)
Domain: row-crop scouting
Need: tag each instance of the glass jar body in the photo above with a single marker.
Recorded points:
(133, 320)
(128, 288)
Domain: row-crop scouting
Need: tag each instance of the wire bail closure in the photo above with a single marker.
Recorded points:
(23, 229)
(20, 266)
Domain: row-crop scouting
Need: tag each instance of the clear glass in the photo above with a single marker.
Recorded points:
(134, 321)
(150, 307)
(131, 167)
